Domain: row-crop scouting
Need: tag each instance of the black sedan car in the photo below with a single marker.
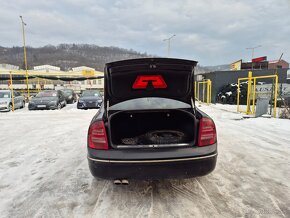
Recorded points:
(48, 99)
(90, 99)
(70, 96)
(149, 126)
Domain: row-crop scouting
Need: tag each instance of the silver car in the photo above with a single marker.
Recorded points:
(6, 100)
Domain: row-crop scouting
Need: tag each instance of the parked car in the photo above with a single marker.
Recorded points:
(149, 126)
(70, 96)
(6, 100)
(90, 99)
(48, 99)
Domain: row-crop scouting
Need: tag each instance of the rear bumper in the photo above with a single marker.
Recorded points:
(153, 169)
(70, 100)
(4, 108)
(88, 106)
(47, 107)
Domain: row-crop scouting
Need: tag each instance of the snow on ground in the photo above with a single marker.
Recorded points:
(233, 108)
(44, 172)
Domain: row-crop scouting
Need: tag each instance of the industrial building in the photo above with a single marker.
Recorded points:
(240, 69)
(259, 63)
(278, 64)
(46, 77)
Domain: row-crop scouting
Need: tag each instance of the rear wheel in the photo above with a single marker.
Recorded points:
(23, 104)
(59, 106)
(10, 107)
(224, 100)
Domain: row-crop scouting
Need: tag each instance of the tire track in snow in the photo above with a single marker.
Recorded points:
(276, 205)
(206, 195)
(154, 210)
(99, 199)
(37, 199)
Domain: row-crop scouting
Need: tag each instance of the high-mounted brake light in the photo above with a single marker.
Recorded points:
(142, 82)
(97, 137)
(207, 132)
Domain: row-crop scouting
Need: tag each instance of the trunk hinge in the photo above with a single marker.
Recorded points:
(107, 106)
(193, 104)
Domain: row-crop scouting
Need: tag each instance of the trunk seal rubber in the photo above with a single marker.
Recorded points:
(152, 161)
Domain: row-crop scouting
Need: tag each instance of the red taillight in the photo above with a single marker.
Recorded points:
(97, 137)
(142, 82)
(207, 132)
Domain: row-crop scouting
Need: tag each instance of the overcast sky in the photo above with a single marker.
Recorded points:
(209, 31)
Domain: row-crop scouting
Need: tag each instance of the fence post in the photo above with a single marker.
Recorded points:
(210, 84)
(12, 94)
(254, 97)
(249, 92)
(195, 91)
(203, 92)
(275, 96)
(238, 97)
(198, 92)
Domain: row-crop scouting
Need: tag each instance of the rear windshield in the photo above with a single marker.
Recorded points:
(46, 94)
(4, 94)
(90, 93)
(67, 91)
(149, 103)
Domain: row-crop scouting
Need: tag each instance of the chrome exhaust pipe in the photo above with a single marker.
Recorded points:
(125, 182)
(117, 182)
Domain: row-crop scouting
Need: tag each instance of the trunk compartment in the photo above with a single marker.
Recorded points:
(150, 129)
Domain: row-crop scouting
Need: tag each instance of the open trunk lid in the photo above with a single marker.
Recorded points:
(149, 77)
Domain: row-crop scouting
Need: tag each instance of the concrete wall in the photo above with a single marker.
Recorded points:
(221, 78)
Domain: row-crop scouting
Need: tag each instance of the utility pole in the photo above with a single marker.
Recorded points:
(253, 50)
(25, 59)
(168, 44)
